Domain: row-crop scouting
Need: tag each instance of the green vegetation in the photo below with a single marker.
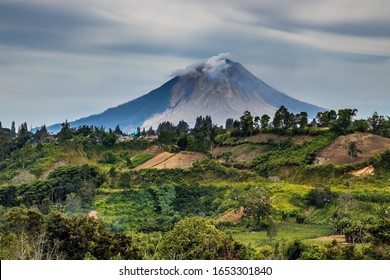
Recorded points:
(260, 194)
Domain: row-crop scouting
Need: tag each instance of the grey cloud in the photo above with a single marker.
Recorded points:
(37, 26)
(44, 17)
(278, 18)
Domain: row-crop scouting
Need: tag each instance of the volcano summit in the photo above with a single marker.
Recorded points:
(218, 87)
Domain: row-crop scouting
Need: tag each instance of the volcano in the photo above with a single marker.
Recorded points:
(218, 87)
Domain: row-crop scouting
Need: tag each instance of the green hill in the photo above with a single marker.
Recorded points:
(83, 196)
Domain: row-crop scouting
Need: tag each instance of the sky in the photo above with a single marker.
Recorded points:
(67, 59)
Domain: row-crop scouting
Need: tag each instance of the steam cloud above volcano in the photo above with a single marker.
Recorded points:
(213, 67)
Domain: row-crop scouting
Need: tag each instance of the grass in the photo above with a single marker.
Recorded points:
(139, 159)
(286, 230)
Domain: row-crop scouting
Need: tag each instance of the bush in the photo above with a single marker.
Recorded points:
(319, 197)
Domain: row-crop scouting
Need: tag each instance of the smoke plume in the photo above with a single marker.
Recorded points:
(213, 67)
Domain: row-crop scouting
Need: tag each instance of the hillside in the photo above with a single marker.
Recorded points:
(261, 194)
(368, 145)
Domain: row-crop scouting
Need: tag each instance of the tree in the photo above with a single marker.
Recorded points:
(381, 231)
(23, 135)
(295, 250)
(229, 124)
(65, 133)
(302, 120)
(264, 121)
(151, 131)
(324, 119)
(283, 118)
(117, 130)
(183, 142)
(183, 127)
(41, 134)
(352, 149)
(13, 129)
(109, 139)
(246, 124)
(361, 125)
(192, 239)
(377, 124)
(319, 196)
(344, 120)
(198, 239)
(256, 203)
(81, 236)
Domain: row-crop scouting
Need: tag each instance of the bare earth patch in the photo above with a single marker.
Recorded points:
(170, 160)
(364, 172)
(242, 153)
(232, 216)
(55, 166)
(154, 150)
(155, 161)
(368, 145)
(330, 238)
(93, 214)
(181, 160)
(24, 177)
(264, 137)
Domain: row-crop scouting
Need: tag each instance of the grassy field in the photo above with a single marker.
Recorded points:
(286, 230)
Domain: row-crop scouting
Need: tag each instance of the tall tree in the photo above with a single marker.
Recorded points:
(246, 124)
(13, 130)
(344, 119)
(229, 123)
(65, 133)
(182, 127)
(23, 135)
(377, 124)
(41, 134)
(256, 203)
(118, 130)
(264, 121)
(302, 120)
(283, 118)
(324, 119)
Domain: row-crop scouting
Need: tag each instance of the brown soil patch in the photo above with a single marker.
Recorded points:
(241, 153)
(55, 166)
(154, 150)
(232, 216)
(330, 238)
(154, 161)
(263, 138)
(180, 160)
(220, 150)
(93, 214)
(368, 145)
(366, 171)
